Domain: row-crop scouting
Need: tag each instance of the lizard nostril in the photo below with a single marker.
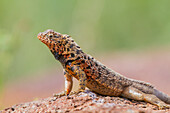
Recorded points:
(39, 36)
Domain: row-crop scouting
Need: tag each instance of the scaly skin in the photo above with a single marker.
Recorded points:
(96, 76)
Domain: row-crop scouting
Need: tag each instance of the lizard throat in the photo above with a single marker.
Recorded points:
(58, 57)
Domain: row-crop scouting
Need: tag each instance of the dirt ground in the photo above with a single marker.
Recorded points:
(150, 66)
(85, 102)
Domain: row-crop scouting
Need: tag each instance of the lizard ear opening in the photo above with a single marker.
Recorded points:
(55, 36)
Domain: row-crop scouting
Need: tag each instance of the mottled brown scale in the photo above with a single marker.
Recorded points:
(94, 75)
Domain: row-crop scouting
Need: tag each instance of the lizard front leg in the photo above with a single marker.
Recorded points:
(79, 74)
(68, 85)
(68, 82)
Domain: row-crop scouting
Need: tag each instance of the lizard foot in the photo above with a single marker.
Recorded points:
(164, 106)
(76, 92)
(133, 93)
(63, 93)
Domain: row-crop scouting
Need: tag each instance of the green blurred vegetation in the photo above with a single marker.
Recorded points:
(8, 47)
(96, 25)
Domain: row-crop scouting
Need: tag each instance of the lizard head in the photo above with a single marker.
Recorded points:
(59, 44)
(50, 37)
(53, 40)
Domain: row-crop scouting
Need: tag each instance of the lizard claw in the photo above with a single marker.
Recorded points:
(164, 106)
(76, 92)
(63, 93)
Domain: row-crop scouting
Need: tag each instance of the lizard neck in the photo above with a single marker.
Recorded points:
(67, 50)
(59, 57)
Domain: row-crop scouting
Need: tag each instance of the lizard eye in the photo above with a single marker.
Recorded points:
(50, 36)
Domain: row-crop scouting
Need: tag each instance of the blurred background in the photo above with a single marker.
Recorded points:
(131, 37)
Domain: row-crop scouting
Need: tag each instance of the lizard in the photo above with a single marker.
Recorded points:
(95, 75)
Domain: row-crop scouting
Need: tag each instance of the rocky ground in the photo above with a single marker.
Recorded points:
(85, 102)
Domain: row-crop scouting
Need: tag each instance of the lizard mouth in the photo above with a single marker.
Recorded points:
(47, 37)
(41, 36)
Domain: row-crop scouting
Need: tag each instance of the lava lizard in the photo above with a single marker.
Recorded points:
(96, 76)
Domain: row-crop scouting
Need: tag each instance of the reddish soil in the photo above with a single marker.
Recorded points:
(149, 66)
(86, 102)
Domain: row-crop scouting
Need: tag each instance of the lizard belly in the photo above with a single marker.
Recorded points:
(101, 89)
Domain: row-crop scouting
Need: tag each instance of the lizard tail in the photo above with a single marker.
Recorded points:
(143, 86)
(164, 97)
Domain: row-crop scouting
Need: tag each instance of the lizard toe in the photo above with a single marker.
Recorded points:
(164, 106)
(76, 92)
(60, 94)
